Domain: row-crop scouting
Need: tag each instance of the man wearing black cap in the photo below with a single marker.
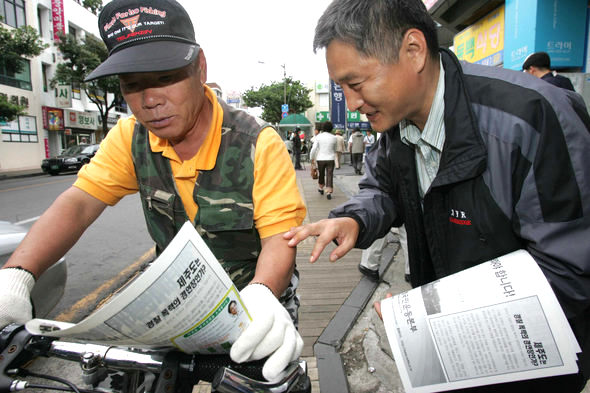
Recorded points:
(190, 157)
(539, 65)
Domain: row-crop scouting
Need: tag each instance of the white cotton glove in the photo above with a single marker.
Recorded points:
(270, 332)
(15, 295)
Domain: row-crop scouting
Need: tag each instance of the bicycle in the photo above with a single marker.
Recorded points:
(116, 369)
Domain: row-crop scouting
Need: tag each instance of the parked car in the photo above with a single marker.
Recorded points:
(49, 288)
(71, 160)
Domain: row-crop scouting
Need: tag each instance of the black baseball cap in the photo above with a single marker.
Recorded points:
(145, 36)
(537, 59)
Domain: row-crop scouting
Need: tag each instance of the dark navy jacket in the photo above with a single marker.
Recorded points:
(514, 173)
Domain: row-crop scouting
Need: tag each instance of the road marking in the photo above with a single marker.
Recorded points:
(92, 297)
(24, 222)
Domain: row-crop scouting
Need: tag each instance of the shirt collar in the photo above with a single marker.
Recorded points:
(433, 133)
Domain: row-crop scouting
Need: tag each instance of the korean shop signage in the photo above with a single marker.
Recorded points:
(482, 42)
(63, 96)
(85, 120)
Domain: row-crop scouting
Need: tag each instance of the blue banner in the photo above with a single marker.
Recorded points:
(337, 105)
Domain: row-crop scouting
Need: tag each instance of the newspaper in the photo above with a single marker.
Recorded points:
(496, 322)
(184, 299)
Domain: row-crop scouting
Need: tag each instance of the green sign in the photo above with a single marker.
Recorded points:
(322, 116)
(353, 116)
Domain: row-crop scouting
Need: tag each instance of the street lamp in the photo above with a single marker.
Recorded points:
(284, 66)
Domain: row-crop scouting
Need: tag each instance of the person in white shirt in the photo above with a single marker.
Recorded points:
(323, 153)
(369, 140)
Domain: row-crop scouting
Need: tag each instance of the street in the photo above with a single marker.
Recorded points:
(116, 241)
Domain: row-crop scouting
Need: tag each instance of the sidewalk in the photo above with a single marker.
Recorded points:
(335, 318)
(20, 173)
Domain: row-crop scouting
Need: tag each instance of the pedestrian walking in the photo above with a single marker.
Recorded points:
(539, 65)
(340, 148)
(323, 153)
(356, 146)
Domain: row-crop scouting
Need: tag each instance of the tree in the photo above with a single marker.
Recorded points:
(14, 45)
(93, 5)
(271, 97)
(80, 58)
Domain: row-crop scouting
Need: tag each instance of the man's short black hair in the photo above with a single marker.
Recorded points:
(537, 59)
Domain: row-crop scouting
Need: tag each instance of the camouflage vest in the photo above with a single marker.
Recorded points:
(225, 216)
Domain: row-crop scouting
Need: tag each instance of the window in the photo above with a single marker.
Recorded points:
(23, 129)
(21, 80)
(13, 12)
(44, 72)
(121, 105)
(72, 31)
(76, 90)
(324, 99)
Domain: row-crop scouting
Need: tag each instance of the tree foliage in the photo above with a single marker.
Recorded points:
(8, 110)
(80, 58)
(18, 43)
(14, 45)
(271, 97)
(93, 5)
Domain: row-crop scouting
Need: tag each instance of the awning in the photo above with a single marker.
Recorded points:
(295, 120)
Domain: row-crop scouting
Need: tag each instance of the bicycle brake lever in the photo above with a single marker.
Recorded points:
(227, 380)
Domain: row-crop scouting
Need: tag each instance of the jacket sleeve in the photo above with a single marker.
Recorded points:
(553, 209)
(374, 206)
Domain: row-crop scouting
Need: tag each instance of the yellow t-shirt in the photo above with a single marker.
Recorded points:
(278, 205)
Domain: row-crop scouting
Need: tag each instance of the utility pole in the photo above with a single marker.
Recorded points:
(284, 83)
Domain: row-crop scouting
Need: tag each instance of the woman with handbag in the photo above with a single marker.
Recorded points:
(323, 153)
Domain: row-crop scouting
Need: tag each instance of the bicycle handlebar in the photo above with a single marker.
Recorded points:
(176, 370)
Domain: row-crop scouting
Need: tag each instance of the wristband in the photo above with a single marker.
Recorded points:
(23, 269)
(264, 285)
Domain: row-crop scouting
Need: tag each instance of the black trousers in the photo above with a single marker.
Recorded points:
(357, 161)
(326, 173)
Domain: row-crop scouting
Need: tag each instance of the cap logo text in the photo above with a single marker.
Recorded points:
(121, 15)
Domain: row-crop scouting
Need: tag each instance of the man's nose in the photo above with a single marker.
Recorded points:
(152, 97)
(354, 101)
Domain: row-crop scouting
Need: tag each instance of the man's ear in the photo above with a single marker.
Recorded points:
(415, 49)
(202, 66)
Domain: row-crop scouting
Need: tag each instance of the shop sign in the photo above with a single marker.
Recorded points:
(85, 120)
(322, 116)
(353, 116)
(322, 87)
(482, 42)
(23, 125)
(53, 118)
(545, 26)
(57, 16)
(16, 100)
(63, 96)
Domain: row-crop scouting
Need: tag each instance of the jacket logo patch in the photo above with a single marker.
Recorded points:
(459, 217)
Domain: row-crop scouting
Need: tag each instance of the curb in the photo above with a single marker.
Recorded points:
(332, 376)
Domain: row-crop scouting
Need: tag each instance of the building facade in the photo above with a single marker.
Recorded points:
(58, 117)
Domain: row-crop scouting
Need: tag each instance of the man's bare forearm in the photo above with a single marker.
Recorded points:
(56, 231)
(276, 264)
